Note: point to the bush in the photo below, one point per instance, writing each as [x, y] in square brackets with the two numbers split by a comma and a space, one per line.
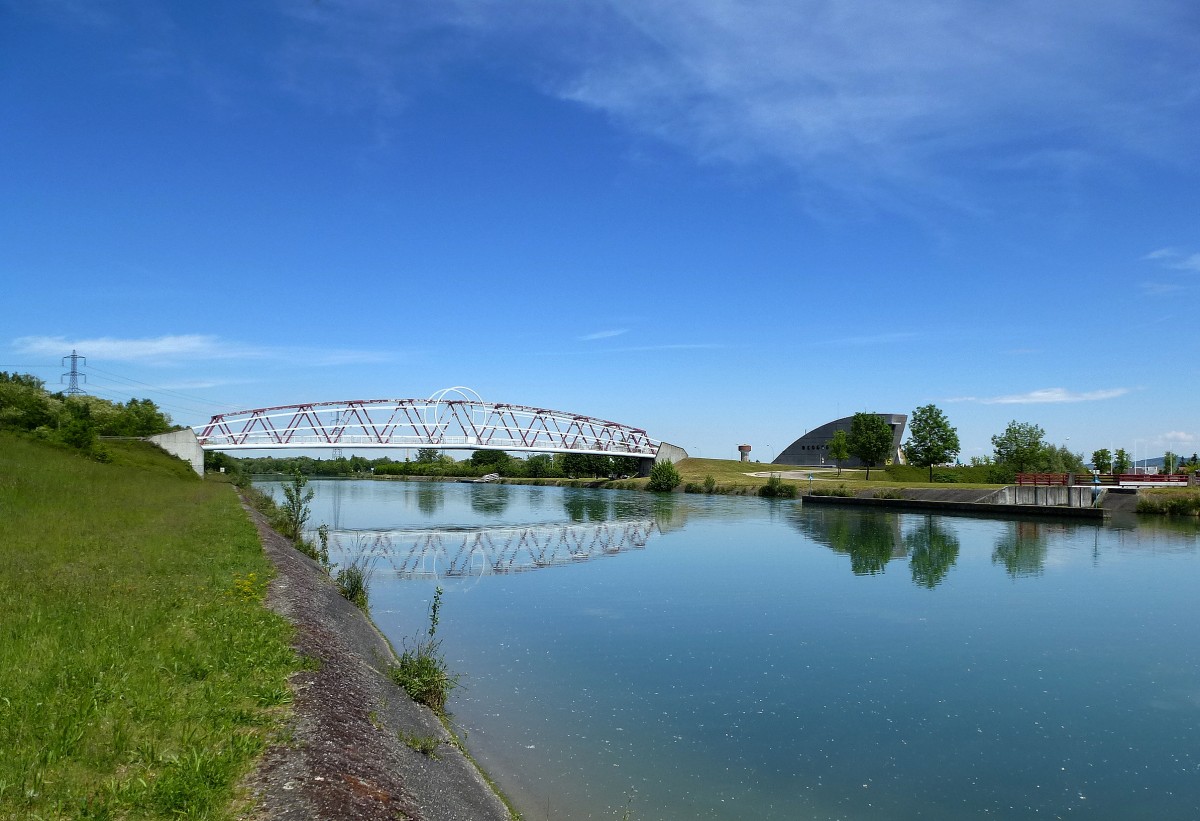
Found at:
[663, 477]
[693, 487]
[776, 488]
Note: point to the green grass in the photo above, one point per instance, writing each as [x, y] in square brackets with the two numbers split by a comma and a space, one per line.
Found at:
[140, 675]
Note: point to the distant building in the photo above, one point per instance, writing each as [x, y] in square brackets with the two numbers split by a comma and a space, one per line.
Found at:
[813, 447]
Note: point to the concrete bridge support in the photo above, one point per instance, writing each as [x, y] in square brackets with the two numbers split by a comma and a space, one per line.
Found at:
[666, 453]
[184, 444]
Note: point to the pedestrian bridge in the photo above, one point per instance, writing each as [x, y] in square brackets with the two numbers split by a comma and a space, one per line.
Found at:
[452, 419]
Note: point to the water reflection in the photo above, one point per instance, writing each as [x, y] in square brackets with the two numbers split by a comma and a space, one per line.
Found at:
[583, 505]
[871, 538]
[1021, 549]
[480, 551]
[490, 499]
[933, 550]
[431, 496]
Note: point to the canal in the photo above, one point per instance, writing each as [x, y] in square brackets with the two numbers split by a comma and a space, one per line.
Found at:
[628, 655]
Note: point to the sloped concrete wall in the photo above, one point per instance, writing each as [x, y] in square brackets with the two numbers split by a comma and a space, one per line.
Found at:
[666, 453]
[184, 444]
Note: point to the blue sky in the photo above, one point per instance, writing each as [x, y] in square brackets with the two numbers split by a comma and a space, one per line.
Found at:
[724, 222]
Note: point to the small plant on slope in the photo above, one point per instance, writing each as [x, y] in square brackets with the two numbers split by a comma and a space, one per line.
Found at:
[422, 669]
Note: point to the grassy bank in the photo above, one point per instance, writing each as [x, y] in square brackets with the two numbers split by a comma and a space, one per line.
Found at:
[139, 673]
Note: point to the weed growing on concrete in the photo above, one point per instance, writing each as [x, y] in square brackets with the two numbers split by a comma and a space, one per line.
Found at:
[354, 580]
[422, 670]
[424, 744]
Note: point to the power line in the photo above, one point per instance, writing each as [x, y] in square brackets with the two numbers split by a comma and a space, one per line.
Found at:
[226, 406]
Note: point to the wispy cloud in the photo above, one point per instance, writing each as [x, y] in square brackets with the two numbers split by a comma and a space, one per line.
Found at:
[1161, 288]
[862, 99]
[867, 340]
[1045, 396]
[684, 346]
[603, 334]
[1175, 259]
[1178, 438]
[165, 350]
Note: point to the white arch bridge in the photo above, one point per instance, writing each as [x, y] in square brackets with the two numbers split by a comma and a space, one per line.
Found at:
[465, 423]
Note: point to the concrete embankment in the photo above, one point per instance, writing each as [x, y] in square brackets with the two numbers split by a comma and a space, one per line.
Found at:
[1074, 503]
[346, 757]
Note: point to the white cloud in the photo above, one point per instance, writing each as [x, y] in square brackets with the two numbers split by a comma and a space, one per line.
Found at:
[603, 334]
[164, 350]
[1045, 396]
[1178, 437]
[1175, 259]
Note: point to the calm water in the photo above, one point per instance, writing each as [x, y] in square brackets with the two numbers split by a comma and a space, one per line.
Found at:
[715, 658]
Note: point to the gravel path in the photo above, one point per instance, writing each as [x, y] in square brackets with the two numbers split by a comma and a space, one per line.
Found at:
[345, 759]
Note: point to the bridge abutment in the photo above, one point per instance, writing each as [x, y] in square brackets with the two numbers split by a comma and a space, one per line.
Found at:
[666, 453]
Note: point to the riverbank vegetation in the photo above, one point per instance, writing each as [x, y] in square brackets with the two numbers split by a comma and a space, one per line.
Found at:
[1170, 501]
[433, 463]
[141, 675]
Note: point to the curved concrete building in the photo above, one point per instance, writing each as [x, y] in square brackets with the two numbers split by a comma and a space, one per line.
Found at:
[813, 447]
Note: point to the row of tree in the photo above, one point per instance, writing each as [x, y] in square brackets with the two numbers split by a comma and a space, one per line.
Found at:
[1020, 448]
[433, 462]
[26, 405]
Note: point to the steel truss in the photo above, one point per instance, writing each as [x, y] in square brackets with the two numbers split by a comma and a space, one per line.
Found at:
[449, 424]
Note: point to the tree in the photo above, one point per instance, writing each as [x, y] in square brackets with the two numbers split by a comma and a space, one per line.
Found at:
[1020, 447]
[663, 477]
[496, 459]
[1170, 462]
[295, 510]
[839, 450]
[539, 465]
[870, 439]
[1121, 461]
[932, 441]
[575, 464]
[428, 455]
[1102, 460]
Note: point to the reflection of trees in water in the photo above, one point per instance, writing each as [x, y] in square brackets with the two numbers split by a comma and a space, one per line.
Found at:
[430, 497]
[586, 505]
[869, 537]
[1022, 549]
[489, 499]
[932, 551]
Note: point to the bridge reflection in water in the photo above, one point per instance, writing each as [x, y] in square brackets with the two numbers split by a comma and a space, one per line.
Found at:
[481, 551]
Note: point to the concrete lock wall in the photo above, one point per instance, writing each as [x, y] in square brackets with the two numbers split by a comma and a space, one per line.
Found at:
[184, 444]
[1042, 495]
